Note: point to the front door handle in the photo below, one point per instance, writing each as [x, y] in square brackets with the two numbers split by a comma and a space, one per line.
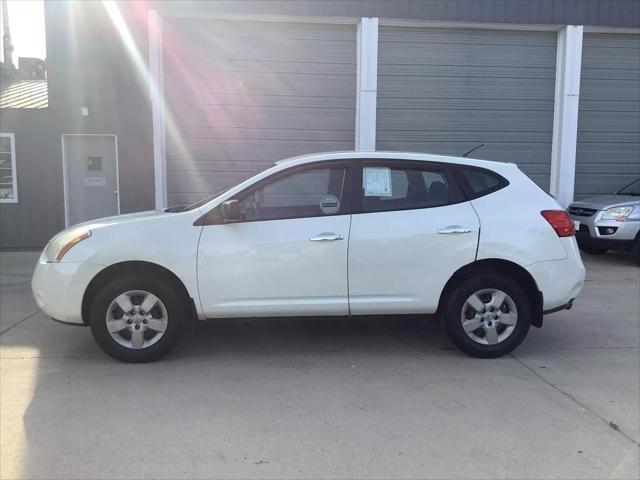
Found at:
[326, 237]
[454, 229]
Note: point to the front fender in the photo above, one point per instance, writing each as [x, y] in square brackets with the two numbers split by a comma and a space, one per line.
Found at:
[169, 241]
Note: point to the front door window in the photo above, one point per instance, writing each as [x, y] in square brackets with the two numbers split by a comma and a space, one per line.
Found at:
[309, 193]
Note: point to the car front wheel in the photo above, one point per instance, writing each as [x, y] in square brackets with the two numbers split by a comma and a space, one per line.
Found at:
[137, 319]
[635, 251]
[487, 315]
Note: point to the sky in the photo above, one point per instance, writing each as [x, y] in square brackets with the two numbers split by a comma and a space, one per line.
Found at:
[26, 21]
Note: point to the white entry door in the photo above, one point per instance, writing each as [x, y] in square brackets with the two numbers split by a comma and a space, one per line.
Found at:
[288, 253]
[91, 177]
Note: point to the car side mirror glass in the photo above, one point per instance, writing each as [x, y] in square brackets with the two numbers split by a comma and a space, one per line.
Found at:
[231, 211]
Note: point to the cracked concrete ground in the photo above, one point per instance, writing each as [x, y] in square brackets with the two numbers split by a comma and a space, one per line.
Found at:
[318, 398]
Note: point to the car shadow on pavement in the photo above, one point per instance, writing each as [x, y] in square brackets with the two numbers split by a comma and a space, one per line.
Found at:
[299, 335]
[226, 377]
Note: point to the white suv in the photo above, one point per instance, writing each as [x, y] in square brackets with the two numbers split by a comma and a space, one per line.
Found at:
[354, 233]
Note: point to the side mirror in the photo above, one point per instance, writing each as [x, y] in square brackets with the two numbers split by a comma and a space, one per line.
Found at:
[231, 211]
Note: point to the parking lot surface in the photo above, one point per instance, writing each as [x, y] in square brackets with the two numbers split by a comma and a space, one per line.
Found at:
[326, 398]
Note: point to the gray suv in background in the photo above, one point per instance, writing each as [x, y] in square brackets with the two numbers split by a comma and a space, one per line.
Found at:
[609, 222]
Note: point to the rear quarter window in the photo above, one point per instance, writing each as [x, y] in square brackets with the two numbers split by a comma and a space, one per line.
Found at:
[478, 182]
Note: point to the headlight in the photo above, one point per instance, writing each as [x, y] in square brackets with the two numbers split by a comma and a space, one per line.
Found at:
[62, 243]
[617, 213]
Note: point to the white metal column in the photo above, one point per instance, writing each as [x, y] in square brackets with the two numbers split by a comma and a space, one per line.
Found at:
[157, 108]
[565, 114]
[367, 84]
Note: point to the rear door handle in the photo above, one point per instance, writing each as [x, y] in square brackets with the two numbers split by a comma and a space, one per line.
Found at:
[326, 237]
[454, 229]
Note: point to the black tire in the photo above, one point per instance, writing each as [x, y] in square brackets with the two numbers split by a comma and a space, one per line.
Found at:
[635, 251]
[453, 311]
[586, 246]
[173, 300]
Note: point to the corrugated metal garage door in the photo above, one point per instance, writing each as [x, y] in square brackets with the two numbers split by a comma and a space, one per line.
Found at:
[608, 152]
[243, 94]
[447, 90]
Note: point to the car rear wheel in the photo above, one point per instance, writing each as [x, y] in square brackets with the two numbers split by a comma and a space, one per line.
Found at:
[487, 315]
[586, 246]
[137, 319]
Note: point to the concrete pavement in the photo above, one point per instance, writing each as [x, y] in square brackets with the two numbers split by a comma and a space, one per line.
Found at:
[326, 398]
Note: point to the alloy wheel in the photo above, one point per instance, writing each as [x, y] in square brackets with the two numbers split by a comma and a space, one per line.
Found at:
[137, 319]
[489, 316]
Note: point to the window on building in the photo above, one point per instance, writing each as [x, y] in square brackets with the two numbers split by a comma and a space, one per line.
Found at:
[8, 174]
[23, 63]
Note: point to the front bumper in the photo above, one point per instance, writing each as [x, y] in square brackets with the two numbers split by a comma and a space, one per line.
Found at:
[595, 230]
[58, 288]
[608, 243]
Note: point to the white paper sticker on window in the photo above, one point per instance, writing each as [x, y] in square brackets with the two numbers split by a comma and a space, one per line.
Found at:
[377, 182]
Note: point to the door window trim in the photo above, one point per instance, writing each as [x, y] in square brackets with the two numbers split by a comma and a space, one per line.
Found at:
[445, 168]
[213, 216]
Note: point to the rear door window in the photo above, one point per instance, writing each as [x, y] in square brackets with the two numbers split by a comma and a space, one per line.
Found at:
[387, 187]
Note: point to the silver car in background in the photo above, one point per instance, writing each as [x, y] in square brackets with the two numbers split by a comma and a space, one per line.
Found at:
[609, 222]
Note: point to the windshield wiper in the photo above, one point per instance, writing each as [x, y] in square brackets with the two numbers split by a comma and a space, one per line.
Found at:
[179, 208]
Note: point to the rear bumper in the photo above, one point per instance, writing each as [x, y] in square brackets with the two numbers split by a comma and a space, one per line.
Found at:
[58, 288]
[560, 281]
[566, 306]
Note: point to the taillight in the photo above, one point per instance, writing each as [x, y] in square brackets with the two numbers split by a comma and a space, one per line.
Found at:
[561, 222]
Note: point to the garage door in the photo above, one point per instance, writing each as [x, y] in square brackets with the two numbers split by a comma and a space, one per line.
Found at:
[608, 150]
[241, 95]
[446, 91]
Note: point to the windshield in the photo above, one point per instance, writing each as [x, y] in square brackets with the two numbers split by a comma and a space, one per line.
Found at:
[199, 203]
[193, 206]
[632, 189]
